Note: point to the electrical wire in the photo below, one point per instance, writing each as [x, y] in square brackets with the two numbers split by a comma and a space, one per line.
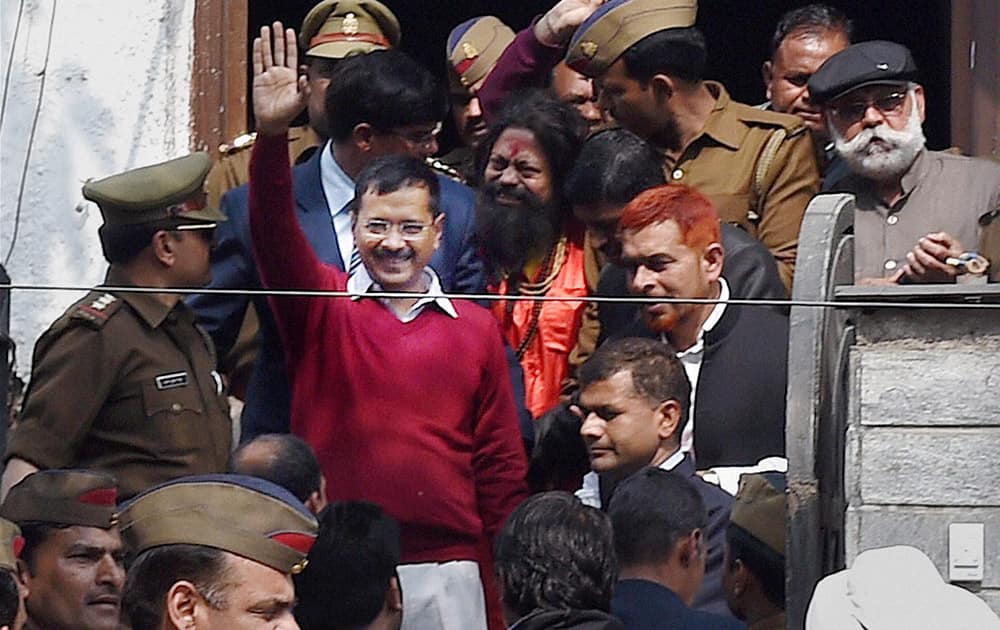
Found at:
[493, 297]
[10, 61]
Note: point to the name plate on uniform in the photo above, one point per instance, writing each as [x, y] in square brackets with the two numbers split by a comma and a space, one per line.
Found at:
[172, 380]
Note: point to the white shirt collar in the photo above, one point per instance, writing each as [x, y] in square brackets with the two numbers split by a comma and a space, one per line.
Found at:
[713, 319]
[361, 283]
[673, 461]
[338, 187]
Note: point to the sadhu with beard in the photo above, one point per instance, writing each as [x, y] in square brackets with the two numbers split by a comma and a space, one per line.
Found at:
[530, 242]
[917, 211]
[734, 355]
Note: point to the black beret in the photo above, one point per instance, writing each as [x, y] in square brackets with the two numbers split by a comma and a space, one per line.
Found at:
[867, 63]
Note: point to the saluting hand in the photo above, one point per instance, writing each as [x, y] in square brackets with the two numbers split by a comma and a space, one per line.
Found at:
[278, 90]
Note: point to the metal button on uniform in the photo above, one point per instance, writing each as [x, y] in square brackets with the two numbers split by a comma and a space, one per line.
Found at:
[890, 265]
[176, 407]
[677, 174]
[892, 219]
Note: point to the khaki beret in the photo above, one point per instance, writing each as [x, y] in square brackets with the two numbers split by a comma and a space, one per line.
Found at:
[64, 497]
[165, 191]
[243, 515]
[11, 544]
[620, 24]
[474, 46]
[760, 507]
[867, 63]
[336, 29]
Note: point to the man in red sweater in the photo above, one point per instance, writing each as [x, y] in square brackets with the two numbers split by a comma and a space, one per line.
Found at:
[406, 400]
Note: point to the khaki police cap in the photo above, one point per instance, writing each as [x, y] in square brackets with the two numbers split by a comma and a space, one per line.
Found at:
[65, 497]
[337, 29]
[246, 516]
[620, 24]
[474, 46]
[760, 507]
[11, 544]
[161, 192]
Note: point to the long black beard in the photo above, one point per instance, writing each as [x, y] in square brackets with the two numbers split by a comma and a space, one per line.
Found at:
[509, 236]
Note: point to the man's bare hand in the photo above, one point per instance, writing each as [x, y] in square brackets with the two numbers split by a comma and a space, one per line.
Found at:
[888, 281]
[556, 27]
[278, 89]
[926, 262]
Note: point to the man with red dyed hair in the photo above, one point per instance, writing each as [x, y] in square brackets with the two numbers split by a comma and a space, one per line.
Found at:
[734, 355]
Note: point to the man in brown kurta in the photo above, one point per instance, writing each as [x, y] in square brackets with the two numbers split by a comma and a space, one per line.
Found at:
[125, 382]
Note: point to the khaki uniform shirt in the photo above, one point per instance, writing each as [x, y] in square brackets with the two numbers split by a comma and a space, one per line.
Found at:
[122, 384]
[763, 189]
[942, 192]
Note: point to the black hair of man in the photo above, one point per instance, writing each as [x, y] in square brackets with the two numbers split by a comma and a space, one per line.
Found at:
[554, 553]
[385, 89]
[350, 565]
[155, 570]
[614, 166]
[287, 461]
[10, 598]
[813, 19]
[556, 126]
[657, 373]
[35, 534]
[650, 511]
[121, 244]
[676, 52]
[759, 559]
[390, 173]
[559, 454]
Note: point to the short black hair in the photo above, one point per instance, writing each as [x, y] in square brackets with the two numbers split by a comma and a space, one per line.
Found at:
[764, 562]
[121, 244]
[657, 373]
[156, 570]
[650, 511]
[677, 52]
[384, 88]
[557, 126]
[291, 464]
[10, 598]
[350, 565]
[614, 166]
[814, 19]
[35, 533]
[555, 553]
[389, 173]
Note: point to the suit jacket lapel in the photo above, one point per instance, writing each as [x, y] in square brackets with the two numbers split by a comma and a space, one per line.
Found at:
[314, 212]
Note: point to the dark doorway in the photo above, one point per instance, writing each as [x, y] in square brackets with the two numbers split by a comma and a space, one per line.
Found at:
[738, 34]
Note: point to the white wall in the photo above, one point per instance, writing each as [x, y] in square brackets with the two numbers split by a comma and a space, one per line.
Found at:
[110, 81]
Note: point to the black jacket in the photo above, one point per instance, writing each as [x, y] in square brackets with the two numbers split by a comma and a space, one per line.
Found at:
[645, 605]
[565, 619]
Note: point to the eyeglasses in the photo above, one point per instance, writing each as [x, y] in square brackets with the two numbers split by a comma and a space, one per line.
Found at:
[408, 230]
[420, 138]
[852, 111]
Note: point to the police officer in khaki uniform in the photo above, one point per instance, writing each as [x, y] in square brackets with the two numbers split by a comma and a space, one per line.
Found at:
[125, 382]
[72, 560]
[331, 31]
[473, 49]
[754, 574]
[12, 614]
[215, 552]
[757, 167]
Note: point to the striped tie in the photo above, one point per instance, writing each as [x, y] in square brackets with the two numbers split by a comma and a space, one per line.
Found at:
[355, 261]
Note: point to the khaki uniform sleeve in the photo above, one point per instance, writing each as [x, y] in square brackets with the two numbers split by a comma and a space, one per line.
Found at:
[232, 170]
[789, 185]
[72, 376]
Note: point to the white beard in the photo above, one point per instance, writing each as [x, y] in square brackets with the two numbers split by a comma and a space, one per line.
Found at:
[881, 153]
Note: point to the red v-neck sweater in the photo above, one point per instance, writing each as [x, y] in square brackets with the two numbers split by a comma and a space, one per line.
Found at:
[417, 417]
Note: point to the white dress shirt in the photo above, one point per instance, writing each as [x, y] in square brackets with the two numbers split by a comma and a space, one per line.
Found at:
[339, 191]
[590, 492]
[361, 283]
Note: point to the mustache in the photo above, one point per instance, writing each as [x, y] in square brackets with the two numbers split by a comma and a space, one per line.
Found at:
[509, 235]
[382, 253]
[492, 190]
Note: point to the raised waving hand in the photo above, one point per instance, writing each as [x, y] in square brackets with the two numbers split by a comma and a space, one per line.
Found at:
[278, 90]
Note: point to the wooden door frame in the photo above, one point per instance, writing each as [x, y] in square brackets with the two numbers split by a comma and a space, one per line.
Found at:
[219, 73]
[975, 87]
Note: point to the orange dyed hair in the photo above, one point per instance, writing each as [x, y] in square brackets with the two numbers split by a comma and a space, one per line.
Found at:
[692, 211]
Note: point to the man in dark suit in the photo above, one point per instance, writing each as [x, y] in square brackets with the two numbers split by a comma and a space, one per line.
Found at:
[659, 521]
[379, 103]
[633, 401]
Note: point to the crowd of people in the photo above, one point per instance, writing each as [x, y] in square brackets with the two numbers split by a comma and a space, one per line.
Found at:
[439, 430]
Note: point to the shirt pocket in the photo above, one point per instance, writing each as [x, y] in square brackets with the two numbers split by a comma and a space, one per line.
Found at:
[174, 416]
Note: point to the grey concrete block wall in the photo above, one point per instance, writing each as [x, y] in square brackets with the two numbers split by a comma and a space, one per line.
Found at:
[923, 441]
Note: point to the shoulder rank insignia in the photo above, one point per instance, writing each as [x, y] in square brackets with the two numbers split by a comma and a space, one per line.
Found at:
[239, 142]
[98, 310]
